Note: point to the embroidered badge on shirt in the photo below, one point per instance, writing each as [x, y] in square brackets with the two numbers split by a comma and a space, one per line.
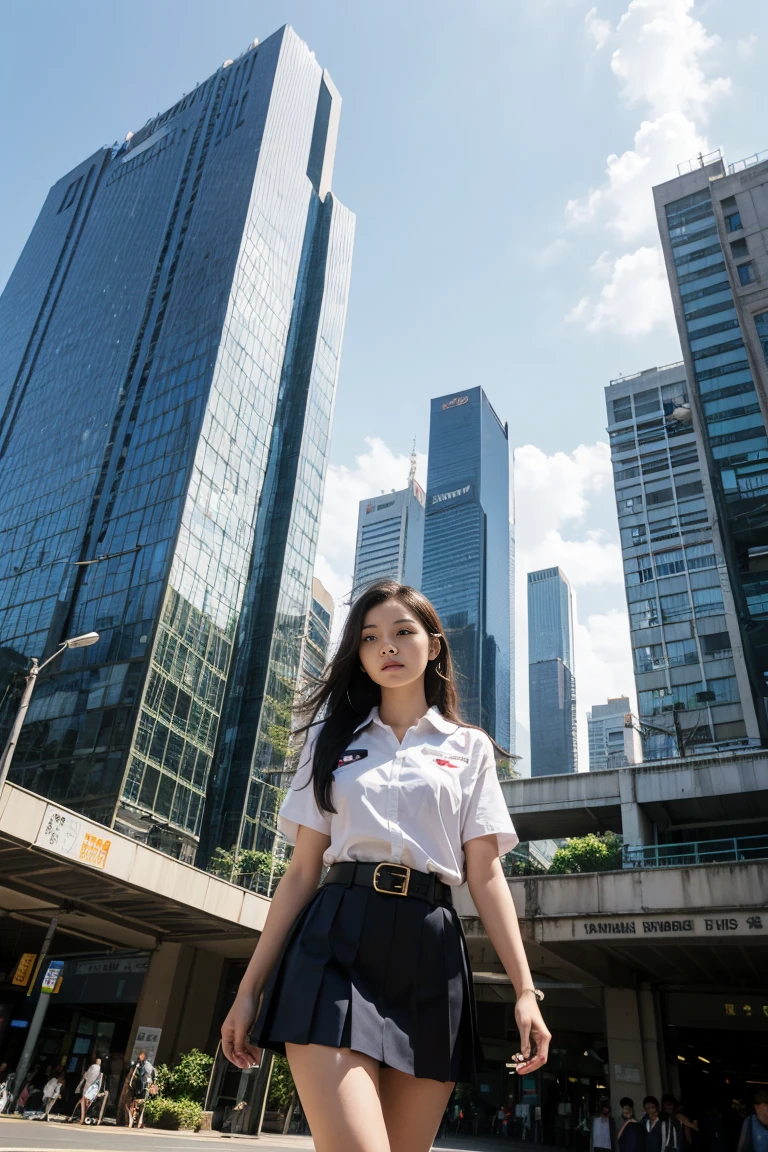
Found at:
[449, 763]
[351, 755]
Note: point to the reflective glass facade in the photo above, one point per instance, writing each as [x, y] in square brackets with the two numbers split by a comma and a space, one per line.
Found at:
[170, 344]
[467, 545]
[682, 623]
[713, 226]
[551, 681]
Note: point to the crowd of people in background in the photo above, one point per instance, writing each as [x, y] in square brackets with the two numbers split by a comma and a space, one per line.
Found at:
[665, 1127]
[658, 1126]
[45, 1092]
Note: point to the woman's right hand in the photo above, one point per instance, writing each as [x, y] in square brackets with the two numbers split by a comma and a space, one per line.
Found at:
[235, 1029]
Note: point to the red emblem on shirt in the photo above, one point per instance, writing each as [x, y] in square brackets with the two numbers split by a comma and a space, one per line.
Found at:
[446, 764]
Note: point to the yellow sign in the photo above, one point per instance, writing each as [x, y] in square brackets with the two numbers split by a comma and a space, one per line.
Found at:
[24, 969]
[94, 850]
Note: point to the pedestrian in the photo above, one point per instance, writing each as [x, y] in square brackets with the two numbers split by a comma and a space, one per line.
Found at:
[630, 1136]
[676, 1128]
[498, 1121]
[51, 1093]
[141, 1083]
[89, 1087]
[651, 1124]
[754, 1130]
[603, 1130]
[364, 982]
[714, 1133]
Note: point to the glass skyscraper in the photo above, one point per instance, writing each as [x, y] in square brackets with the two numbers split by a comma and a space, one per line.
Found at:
[713, 222]
[169, 349]
[467, 547]
[551, 682]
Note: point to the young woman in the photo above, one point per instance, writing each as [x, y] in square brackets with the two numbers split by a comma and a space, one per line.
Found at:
[364, 982]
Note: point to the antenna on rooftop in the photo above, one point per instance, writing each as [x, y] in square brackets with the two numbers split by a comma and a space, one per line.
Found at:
[412, 469]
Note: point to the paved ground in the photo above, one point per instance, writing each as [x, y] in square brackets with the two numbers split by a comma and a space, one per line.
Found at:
[32, 1136]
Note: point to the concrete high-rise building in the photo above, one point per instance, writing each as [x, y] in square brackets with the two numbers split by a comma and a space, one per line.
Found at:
[169, 349]
[611, 743]
[390, 537]
[551, 681]
[467, 544]
[713, 222]
[685, 642]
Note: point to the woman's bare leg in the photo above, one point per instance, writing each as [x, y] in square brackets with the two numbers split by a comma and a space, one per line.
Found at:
[412, 1109]
[339, 1092]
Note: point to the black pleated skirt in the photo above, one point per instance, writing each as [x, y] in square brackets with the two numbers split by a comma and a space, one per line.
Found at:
[385, 975]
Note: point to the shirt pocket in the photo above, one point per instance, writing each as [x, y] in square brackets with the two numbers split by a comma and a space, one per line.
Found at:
[435, 778]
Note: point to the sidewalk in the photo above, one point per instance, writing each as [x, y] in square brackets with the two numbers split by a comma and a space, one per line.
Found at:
[33, 1136]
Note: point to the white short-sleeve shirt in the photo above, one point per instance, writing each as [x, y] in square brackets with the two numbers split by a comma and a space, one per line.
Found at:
[414, 803]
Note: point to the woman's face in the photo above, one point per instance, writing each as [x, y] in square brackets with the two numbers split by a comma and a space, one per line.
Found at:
[395, 646]
[626, 1112]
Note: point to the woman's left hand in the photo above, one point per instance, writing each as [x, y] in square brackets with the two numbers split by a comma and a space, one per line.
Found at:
[534, 1034]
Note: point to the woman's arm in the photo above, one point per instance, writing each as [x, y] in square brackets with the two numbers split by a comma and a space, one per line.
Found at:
[489, 889]
[292, 893]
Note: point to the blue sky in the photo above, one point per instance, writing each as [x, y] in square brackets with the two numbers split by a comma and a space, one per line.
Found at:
[492, 248]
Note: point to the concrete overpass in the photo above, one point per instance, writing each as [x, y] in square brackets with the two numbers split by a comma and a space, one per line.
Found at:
[725, 789]
[114, 893]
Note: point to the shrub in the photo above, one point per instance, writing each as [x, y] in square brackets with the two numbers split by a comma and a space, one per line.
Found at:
[281, 1086]
[187, 1079]
[595, 852]
[173, 1114]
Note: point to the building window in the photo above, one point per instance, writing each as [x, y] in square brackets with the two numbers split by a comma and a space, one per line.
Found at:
[668, 563]
[761, 323]
[718, 644]
[707, 601]
[733, 222]
[746, 273]
[682, 652]
[739, 249]
[622, 409]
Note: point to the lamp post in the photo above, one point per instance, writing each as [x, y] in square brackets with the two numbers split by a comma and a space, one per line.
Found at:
[83, 641]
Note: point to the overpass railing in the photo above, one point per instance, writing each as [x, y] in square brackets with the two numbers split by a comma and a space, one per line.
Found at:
[725, 851]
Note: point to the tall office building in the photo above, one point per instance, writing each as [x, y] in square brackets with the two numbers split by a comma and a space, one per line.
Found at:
[390, 537]
[714, 232]
[467, 544]
[611, 743]
[681, 614]
[551, 682]
[169, 349]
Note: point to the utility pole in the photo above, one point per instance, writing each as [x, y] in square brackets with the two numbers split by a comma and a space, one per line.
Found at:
[38, 1016]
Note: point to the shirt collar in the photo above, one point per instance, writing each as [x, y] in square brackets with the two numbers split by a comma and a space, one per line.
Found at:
[433, 716]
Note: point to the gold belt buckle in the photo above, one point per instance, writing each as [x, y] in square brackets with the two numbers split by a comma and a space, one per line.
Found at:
[404, 877]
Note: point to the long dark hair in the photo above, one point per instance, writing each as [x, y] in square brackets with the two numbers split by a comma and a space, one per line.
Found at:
[346, 694]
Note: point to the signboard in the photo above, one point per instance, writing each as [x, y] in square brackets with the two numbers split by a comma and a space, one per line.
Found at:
[112, 965]
[626, 1073]
[68, 835]
[24, 969]
[725, 1011]
[718, 925]
[443, 497]
[147, 1040]
[53, 974]
[456, 402]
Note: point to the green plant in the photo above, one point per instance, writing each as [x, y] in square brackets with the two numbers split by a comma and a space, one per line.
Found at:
[187, 1080]
[173, 1114]
[281, 1086]
[237, 866]
[595, 852]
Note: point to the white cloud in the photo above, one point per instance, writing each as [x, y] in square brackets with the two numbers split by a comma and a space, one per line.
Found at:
[634, 300]
[600, 30]
[624, 202]
[554, 497]
[662, 62]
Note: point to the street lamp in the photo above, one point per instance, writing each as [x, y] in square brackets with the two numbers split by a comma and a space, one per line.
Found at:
[83, 641]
